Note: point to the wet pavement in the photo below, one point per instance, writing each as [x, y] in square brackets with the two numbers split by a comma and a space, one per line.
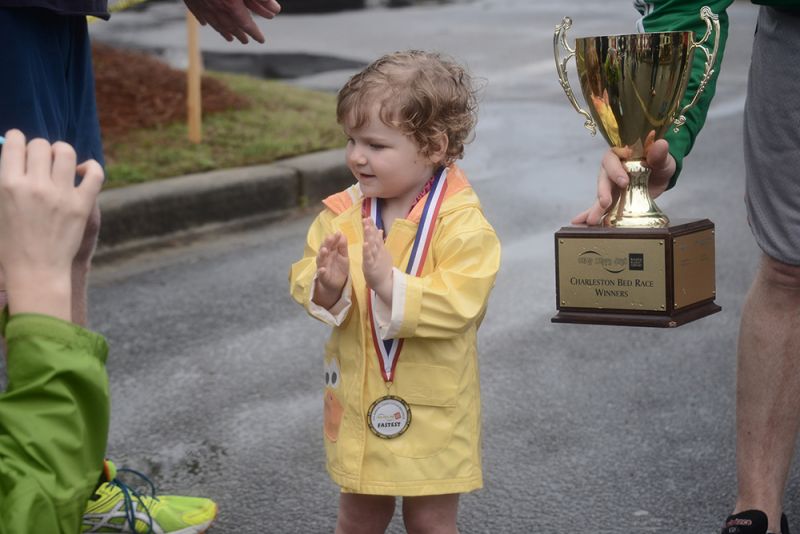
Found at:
[217, 376]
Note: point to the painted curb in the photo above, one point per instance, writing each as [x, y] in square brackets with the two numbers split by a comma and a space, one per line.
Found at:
[156, 210]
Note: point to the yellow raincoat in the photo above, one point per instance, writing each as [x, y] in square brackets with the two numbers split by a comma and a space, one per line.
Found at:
[438, 315]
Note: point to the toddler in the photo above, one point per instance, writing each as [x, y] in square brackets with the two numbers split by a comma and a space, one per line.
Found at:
[401, 265]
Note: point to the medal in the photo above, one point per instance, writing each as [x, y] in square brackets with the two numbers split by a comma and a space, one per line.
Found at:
[389, 417]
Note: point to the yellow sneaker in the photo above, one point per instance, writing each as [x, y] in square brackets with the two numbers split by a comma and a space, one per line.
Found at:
[116, 507]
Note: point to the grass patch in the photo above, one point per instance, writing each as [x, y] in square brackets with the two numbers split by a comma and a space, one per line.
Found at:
[282, 121]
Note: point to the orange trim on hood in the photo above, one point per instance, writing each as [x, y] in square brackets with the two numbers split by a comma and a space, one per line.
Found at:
[344, 200]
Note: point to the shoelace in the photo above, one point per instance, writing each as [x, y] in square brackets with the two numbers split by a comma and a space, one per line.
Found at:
[128, 493]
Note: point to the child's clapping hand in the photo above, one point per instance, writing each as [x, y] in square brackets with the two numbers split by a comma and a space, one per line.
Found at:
[333, 267]
[377, 262]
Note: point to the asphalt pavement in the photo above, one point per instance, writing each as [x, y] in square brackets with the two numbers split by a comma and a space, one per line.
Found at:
[216, 374]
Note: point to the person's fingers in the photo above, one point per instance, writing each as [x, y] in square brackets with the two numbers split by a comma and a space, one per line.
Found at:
[12, 162]
[39, 160]
[614, 169]
[580, 218]
[265, 8]
[241, 24]
[322, 256]
[658, 154]
[368, 227]
[251, 28]
[342, 245]
[198, 14]
[595, 214]
[219, 25]
[663, 167]
[604, 189]
[365, 256]
[659, 159]
[64, 165]
[241, 36]
[92, 182]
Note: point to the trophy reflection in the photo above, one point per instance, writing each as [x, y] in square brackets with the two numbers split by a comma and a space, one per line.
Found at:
[638, 268]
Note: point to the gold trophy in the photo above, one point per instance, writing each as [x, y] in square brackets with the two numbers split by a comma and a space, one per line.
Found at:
[638, 268]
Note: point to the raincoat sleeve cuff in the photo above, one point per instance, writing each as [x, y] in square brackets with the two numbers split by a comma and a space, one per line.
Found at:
[390, 319]
[337, 313]
[407, 304]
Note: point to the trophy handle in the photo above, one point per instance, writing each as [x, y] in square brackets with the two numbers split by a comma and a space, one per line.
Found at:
[560, 37]
[712, 21]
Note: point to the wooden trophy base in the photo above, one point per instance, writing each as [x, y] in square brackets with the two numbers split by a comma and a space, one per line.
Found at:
[662, 277]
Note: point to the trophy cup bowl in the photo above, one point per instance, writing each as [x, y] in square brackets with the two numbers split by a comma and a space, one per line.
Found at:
[638, 268]
[633, 85]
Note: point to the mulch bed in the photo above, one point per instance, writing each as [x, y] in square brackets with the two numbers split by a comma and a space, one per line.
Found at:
[135, 91]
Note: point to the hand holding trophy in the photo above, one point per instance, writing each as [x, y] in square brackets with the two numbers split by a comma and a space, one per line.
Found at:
[638, 268]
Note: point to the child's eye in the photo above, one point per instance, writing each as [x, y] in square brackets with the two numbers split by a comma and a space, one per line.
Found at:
[376, 146]
[350, 140]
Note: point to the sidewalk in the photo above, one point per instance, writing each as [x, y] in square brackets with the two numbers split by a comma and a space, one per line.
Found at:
[142, 216]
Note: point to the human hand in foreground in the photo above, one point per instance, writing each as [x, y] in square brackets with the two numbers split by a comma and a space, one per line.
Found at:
[613, 179]
[333, 267]
[42, 220]
[232, 18]
[377, 262]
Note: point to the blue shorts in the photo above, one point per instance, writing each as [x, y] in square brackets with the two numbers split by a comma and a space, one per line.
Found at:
[46, 79]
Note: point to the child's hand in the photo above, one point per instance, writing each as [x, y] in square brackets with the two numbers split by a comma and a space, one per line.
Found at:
[333, 267]
[377, 262]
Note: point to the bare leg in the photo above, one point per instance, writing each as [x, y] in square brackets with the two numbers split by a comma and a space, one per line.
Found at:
[768, 388]
[434, 514]
[364, 514]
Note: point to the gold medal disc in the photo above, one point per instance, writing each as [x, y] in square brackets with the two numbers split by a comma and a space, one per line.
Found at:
[389, 417]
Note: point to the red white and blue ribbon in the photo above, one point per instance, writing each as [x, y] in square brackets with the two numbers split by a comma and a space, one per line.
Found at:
[389, 350]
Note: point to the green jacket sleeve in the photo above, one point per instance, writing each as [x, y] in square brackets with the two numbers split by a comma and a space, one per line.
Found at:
[684, 15]
[53, 423]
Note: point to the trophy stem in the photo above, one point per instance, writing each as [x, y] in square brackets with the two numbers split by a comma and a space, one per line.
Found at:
[634, 208]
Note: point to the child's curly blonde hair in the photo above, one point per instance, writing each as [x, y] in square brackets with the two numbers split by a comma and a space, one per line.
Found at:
[421, 93]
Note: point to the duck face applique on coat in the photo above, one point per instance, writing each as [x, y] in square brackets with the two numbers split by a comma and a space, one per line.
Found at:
[333, 407]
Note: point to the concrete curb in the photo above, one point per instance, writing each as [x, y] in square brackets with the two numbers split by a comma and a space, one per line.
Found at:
[147, 213]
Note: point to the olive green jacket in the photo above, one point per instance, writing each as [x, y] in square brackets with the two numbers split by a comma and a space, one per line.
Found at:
[53, 423]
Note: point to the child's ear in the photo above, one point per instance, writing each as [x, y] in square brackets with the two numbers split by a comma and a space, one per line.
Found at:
[439, 145]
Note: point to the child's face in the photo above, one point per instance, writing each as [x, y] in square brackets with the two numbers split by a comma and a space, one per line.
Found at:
[386, 162]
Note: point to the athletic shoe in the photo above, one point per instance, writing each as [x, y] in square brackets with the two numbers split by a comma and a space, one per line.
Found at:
[116, 507]
[752, 522]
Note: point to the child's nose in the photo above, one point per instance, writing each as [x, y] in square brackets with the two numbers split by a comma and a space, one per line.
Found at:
[357, 157]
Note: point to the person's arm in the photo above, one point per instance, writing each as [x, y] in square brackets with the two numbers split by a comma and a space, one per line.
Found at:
[54, 413]
[53, 423]
[682, 15]
[453, 297]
